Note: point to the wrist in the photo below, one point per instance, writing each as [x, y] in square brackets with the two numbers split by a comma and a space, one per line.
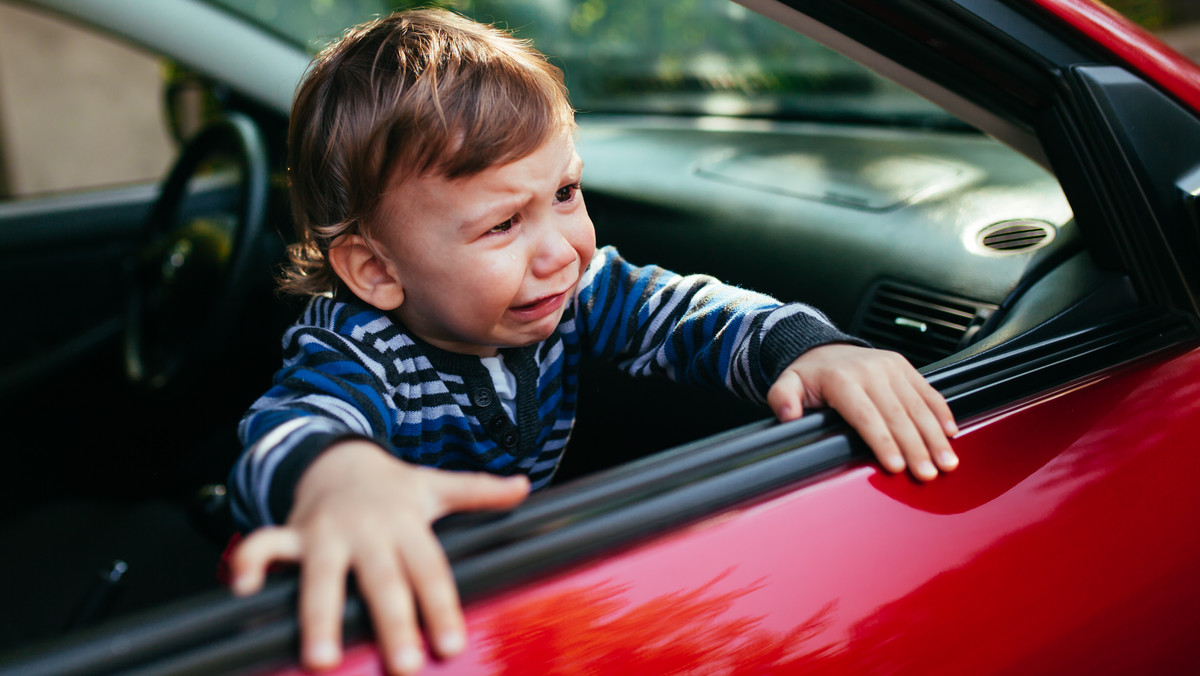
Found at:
[343, 460]
[319, 456]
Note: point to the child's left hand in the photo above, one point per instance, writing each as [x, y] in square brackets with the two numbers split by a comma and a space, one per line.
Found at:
[901, 417]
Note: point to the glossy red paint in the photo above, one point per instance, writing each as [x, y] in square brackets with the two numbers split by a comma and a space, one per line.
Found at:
[1066, 543]
[1133, 44]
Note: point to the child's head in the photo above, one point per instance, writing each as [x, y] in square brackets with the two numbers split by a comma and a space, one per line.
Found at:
[434, 176]
[419, 93]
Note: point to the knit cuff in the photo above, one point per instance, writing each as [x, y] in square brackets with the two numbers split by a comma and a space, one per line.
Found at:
[792, 336]
[287, 475]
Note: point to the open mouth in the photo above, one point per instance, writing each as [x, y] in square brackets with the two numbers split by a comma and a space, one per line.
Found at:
[541, 307]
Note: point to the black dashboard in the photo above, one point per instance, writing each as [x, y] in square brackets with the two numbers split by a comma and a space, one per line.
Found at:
[909, 237]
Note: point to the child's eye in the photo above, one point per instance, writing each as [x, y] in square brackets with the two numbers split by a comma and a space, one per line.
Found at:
[501, 228]
[566, 193]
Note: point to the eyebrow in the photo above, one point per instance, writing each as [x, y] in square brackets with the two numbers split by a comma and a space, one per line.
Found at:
[575, 167]
[574, 172]
[487, 215]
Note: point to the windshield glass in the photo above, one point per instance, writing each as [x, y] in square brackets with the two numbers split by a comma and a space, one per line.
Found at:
[694, 57]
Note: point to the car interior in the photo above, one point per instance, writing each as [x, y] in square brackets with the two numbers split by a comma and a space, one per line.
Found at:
[144, 319]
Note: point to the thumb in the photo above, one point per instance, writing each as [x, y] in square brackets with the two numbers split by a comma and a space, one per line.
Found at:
[785, 396]
[473, 491]
[256, 552]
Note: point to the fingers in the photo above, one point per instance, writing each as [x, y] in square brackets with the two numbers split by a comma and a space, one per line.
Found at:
[388, 571]
[322, 586]
[911, 426]
[916, 432]
[389, 581]
[935, 421]
[437, 594]
[322, 599]
[904, 420]
[785, 396]
[424, 560]
[936, 403]
[866, 417]
[257, 552]
[474, 491]
[382, 579]
[374, 519]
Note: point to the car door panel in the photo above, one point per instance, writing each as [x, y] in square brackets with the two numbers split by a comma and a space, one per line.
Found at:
[1050, 539]
[66, 258]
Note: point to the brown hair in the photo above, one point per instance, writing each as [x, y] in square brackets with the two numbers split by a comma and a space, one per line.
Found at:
[416, 92]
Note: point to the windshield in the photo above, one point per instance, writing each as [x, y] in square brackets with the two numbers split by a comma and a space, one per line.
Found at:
[693, 57]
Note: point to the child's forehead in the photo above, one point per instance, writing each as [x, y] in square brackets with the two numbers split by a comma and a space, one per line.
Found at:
[541, 172]
[555, 158]
[496, 192]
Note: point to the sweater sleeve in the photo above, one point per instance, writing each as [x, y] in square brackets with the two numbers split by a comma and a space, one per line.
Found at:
[695, 329]
[324, 393]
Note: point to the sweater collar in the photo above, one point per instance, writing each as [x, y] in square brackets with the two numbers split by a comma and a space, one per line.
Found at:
[443, 360]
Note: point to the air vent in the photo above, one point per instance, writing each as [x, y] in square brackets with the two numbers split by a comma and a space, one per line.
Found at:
[922, 325]
[1016, 236]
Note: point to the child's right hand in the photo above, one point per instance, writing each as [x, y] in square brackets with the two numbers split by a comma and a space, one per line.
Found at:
[359, 509]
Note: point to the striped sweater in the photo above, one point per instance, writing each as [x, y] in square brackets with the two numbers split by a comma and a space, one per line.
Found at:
[350, 370]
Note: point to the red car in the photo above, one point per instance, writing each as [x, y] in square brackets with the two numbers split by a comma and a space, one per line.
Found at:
[1028, 232]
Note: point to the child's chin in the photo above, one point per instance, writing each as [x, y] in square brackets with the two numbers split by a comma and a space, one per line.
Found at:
[535, 336]
[535, 341]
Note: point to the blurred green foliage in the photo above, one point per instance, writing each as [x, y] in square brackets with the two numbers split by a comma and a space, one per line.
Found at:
[711, 57]
[606, 21]
[678, 45]
[1151, 14]
[1159, 14]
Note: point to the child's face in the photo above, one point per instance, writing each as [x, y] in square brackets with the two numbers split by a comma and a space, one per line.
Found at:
[489, 261]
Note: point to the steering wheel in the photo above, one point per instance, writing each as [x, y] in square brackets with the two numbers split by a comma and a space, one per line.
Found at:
[192, 270]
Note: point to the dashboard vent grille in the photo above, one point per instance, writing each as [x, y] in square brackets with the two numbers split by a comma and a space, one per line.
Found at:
[922, 325]
[1016, 236]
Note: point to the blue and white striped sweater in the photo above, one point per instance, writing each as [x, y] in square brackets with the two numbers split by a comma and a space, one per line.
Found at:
[350, 370]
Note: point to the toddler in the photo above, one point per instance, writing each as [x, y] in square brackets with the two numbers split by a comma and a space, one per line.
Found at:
[455, 288]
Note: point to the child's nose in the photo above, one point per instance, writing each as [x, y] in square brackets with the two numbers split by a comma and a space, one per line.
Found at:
[554, 253]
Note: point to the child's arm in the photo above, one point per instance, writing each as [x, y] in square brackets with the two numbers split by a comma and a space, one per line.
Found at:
[697, 330]
[359, 509]
[901, 417]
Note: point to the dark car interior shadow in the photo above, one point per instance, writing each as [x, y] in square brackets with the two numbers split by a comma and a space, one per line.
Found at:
[103, 502]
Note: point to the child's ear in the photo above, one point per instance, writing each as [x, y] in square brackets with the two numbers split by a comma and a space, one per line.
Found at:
[366, 274]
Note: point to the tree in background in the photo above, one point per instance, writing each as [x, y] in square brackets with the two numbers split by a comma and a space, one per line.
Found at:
[1158, 14]
[1151, 14]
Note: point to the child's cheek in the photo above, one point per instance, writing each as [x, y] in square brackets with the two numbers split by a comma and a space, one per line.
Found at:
[586, 245]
